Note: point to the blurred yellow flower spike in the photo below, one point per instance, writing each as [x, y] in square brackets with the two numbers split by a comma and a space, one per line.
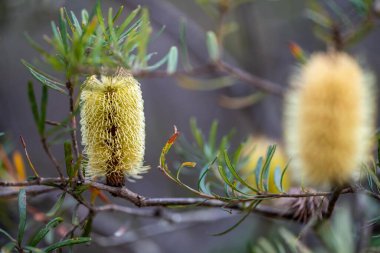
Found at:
[329, 120]
[257, 147]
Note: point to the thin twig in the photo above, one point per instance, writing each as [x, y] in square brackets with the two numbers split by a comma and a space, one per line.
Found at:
[257, 82]
[51, 156]
[30, 191]
[28, 158]
[333, 198]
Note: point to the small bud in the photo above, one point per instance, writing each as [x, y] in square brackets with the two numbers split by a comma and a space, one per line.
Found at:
[113, 127]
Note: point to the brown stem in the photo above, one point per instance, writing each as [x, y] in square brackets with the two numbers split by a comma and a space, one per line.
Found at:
[257, 82]
[51, 156]
[73, 122]
[332, 201]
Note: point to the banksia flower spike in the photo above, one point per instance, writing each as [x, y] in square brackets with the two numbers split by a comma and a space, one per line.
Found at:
[113, 127]
[329, 119]
[257, 147]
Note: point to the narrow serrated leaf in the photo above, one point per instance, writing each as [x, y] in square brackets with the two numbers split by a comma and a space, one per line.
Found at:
[33, 249]
[44, 78]
[43, 232]
[44, 100]
[33, 103]
[197, 134]
[22, 215]
[2, 231]
[53, 211]
[248, 212]
[68, 242]
[234, 173]
[212, 135]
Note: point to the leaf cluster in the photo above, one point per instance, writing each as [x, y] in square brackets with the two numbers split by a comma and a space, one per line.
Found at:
[219, 174]
[32, 243]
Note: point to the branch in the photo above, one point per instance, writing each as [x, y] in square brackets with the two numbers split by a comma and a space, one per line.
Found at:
[257, 82]
[332, 201]
[142, 201]
[51, 156]
[30, 191]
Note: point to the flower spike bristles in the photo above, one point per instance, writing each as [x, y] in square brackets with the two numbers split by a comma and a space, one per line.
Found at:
[113, 127]
[329, 119]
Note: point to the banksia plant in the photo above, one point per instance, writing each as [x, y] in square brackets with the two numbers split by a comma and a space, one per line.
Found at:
[113, 127]
[256, 148]
[329, 118]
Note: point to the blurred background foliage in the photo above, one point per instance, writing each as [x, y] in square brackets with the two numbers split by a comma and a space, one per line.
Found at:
[180, 37]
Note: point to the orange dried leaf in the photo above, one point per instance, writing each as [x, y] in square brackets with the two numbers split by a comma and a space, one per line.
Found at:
[19, 165]
[189, 164]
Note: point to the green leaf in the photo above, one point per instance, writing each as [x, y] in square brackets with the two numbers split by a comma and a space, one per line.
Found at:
[202, 186]
[8, 248]
[118, 13]
[99, 15]
[53, 211]
[33, 249]
[143, 37]
[248, 212]
[293, 242]
[197, 134]
[283, 174]
[22, 215]
[265, 170]
[259, 166]
[127, 21]
[266, 245]
[234, 173]
[85, 17]
[88, 226]
[227, 181]
[63, 29]
[212, 135]
[69, 159]
[111, 30]
[172, 60]
[2, 231]
[278, 178]
[212, 46]
[43, 232]
[68, 242]
[76, 24]
[44, 78]
[44, 100]
[33, 103]
[183, 45]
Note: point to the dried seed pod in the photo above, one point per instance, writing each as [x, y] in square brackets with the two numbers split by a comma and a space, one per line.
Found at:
[329, 119]
[113, 127]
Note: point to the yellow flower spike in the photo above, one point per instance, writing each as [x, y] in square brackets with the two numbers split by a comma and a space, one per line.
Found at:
[257, 147]
[329, 119]
[113, 127]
